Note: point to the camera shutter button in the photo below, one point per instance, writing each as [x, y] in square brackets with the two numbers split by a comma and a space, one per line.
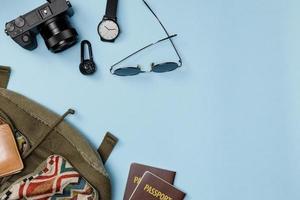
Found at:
[19, 22]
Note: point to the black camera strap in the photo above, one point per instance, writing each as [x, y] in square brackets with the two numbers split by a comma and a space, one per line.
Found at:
[4, 76]
[111, 9]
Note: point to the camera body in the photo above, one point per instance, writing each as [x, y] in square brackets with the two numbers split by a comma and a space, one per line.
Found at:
[51, 20]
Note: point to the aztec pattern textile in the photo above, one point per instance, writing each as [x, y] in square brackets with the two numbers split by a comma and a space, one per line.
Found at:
[56, 181]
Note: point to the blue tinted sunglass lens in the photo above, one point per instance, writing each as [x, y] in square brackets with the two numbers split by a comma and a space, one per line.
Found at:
[127, 71]
[165, 67]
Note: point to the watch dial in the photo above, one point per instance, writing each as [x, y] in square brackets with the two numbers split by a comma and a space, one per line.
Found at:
[108, 30]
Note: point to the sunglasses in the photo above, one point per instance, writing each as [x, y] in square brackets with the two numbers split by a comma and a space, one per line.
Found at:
[158, 68]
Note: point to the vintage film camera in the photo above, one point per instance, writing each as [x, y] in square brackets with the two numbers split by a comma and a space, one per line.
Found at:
[51, 20]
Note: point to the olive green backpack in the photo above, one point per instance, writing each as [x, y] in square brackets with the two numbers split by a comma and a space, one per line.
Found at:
[44, 134]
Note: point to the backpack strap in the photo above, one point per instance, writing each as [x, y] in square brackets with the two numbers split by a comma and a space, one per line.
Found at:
[4, 76]
[107, 146]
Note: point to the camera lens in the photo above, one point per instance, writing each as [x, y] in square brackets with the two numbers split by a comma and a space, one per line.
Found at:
[58, 34]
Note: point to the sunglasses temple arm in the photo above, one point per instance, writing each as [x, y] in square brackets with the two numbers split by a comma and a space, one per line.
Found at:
[111, 68]
[180, 60]
[166, 38]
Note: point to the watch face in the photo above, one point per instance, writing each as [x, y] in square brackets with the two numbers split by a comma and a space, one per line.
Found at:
[108, 30]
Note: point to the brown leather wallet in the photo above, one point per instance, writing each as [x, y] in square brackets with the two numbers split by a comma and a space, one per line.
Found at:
[10, 159]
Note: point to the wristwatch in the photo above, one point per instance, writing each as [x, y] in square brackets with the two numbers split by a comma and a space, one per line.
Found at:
[108, 28]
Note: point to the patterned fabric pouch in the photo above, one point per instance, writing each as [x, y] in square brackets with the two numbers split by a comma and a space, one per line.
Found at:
[54, 179]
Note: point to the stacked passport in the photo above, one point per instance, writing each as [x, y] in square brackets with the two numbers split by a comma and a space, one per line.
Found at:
[150, 183]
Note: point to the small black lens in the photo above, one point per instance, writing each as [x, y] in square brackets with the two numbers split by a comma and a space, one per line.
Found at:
[58, 34]
[127, 71]
[165, 67]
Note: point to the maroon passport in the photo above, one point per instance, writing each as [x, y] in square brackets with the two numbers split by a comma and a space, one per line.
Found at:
[138, 170]
[153, 187]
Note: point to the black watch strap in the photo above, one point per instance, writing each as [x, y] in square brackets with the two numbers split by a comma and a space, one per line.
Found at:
[111, 9]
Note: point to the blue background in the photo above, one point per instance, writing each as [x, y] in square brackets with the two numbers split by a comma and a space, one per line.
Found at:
[228, 121]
